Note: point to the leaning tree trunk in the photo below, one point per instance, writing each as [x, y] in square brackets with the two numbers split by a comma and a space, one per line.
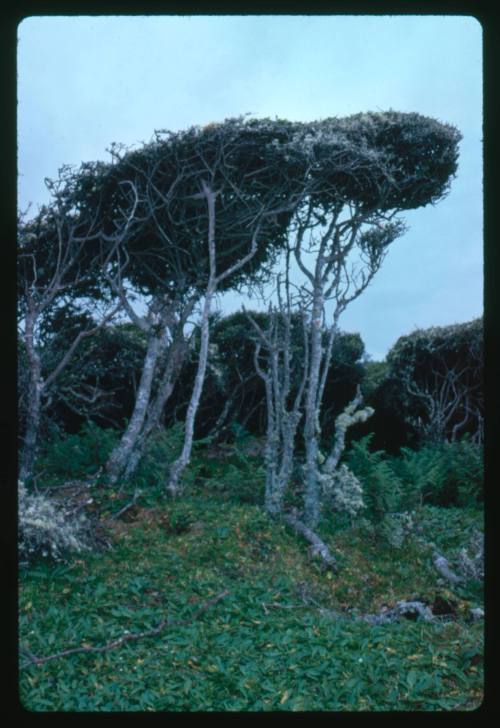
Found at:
[176, 357]
[318, 548]
[214, 280]
[118, 459]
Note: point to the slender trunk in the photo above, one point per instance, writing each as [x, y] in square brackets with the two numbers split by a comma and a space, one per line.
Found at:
[279, 470]
[290, 431]
[214, 280]
[34, 403]
[280, 440]
[311, 425]
[118, 459]
[272, 501]
[177, 468]
[182, 461]
[221, 419]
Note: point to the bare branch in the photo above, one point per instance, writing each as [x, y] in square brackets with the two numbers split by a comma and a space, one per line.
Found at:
[126, 637]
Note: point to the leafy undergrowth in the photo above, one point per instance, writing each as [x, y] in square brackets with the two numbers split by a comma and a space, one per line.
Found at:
[283, 639]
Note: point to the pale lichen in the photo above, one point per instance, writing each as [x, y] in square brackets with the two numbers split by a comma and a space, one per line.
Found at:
[47, 529]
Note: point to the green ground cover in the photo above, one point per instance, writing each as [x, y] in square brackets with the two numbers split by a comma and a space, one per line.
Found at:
[284, 638]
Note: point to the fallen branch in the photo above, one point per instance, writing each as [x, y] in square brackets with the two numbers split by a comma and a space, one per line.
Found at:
[127, 637]
[442, 566]
[401, 609]
[407, 609]
[318, 548]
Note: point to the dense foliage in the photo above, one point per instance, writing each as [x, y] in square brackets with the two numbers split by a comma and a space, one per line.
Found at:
[166, 242]
[444, 474]
[234, 393]
[438, 375]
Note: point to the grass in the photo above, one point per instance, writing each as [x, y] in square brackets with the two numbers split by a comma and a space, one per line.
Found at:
[272, 644]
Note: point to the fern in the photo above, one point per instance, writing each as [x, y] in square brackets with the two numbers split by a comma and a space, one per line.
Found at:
[382, 488]
[446, 474]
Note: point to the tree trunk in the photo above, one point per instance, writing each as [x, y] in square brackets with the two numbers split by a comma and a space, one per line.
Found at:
[311, 426]
[214, 280]
[33, 417]
[182, 461]
[34, 404]
[176, 357]
[118, 459]
[284, 474]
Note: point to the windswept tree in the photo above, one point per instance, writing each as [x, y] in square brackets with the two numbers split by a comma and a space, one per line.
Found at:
[364, 171]
[60, 277]
[214, 204]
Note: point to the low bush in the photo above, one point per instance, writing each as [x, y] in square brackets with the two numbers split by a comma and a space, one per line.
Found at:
[48, 530]
[233, 472]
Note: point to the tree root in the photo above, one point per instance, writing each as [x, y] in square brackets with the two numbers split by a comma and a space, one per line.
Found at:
[408, 609]
[318, 548]
[126, 637]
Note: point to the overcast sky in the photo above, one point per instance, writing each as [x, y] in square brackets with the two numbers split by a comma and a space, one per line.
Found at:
[84, 82]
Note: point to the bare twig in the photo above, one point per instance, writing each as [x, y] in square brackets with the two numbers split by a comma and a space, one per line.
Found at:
[127, 637]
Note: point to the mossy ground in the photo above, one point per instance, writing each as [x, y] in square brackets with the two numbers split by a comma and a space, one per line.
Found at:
[273, 643]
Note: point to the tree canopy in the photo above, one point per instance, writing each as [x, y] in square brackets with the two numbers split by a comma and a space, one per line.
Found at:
[261, 170]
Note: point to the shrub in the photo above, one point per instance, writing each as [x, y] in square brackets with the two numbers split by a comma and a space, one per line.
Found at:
[48, 530]
[233, 471]
[77, 456]
[396, 528]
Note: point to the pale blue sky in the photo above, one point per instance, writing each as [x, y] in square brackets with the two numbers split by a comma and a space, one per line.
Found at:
[84, 82]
